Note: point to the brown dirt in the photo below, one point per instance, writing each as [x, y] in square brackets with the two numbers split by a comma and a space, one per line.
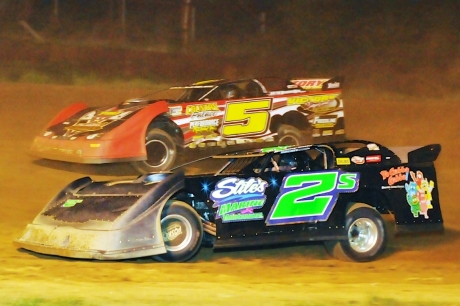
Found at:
[424, 269]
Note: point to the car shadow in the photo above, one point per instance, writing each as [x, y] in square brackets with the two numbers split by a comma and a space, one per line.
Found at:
[417, 241]
[114, 169]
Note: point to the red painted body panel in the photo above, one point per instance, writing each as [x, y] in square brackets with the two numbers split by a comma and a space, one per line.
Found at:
[124, 143]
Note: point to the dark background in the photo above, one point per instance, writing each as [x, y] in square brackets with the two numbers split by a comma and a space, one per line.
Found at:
[405, 46]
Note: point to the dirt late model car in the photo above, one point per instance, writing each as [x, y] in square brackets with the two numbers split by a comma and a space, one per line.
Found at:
[150, 132]
[333, 192]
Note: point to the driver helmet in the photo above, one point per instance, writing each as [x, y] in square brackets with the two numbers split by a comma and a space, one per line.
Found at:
[289, 161]
[230, 92]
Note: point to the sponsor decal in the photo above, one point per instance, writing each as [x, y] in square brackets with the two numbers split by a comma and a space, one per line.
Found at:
[175, 110]
[418, 194]
[394, 175]
[71, 202]
[110, 113]
[373, 158]
[204, 125]
[333, 85]
[418, 188]
[236, 199]
[310, 83]
[198, 108]
[203, 115]
[310, 197]
[343, 161]
[310, 99]
[373, 147]
[359, 160]
[273, 149]
[324, 121]
[173, 231]
[114, 115]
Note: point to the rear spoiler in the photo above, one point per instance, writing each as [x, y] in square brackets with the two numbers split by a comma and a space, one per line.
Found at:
[428, 153]
[319, 84]
[335, 83]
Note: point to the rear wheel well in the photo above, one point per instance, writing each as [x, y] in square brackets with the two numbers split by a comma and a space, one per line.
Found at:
[373, 198]
[364, 197]
[292, 118]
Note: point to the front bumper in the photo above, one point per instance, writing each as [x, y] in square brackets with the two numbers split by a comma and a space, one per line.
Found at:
[80, 151]
[72, 242]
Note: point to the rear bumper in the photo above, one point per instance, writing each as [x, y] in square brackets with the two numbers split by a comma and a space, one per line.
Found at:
[80, 151]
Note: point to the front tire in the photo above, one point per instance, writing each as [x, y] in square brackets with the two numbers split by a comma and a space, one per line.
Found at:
[182, 232]
[161, 152]
[366, 236]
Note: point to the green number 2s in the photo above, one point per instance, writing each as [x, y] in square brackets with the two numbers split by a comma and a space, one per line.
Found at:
[307, 197]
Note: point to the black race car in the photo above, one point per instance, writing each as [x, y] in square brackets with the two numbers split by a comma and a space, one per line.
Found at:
[334, 192]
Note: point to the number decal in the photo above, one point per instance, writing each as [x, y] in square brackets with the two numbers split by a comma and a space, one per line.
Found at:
[246, 118]
[310, 197]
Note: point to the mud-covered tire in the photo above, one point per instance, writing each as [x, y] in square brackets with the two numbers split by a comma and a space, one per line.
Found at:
[182, 232]
[289, 135]
[366, 236]
[161, 152]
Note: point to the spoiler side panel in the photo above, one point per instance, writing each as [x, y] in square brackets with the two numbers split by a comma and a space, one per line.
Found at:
[428, 153]
[421, 210]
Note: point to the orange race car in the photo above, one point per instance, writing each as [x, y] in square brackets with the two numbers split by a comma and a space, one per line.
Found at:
[150, 132]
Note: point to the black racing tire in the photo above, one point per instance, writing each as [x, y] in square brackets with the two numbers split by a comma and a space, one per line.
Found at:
[182, 232]
[289, 135]
[366, 236]
[161, 152]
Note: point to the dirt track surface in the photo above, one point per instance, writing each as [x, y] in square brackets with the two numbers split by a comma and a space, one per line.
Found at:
[424, 269]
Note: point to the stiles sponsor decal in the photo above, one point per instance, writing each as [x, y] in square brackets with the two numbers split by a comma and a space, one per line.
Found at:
[236, 199]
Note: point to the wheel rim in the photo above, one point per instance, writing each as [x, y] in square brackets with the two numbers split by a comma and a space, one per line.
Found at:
[362, 235]
[177, 232]
[157, 153]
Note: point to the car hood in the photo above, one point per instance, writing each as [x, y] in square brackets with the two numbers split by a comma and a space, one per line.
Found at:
[94, 122]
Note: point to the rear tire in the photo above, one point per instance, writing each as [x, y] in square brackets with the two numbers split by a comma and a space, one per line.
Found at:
[366, 236]
[182, 232]
[289, 135]
[161, 152]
